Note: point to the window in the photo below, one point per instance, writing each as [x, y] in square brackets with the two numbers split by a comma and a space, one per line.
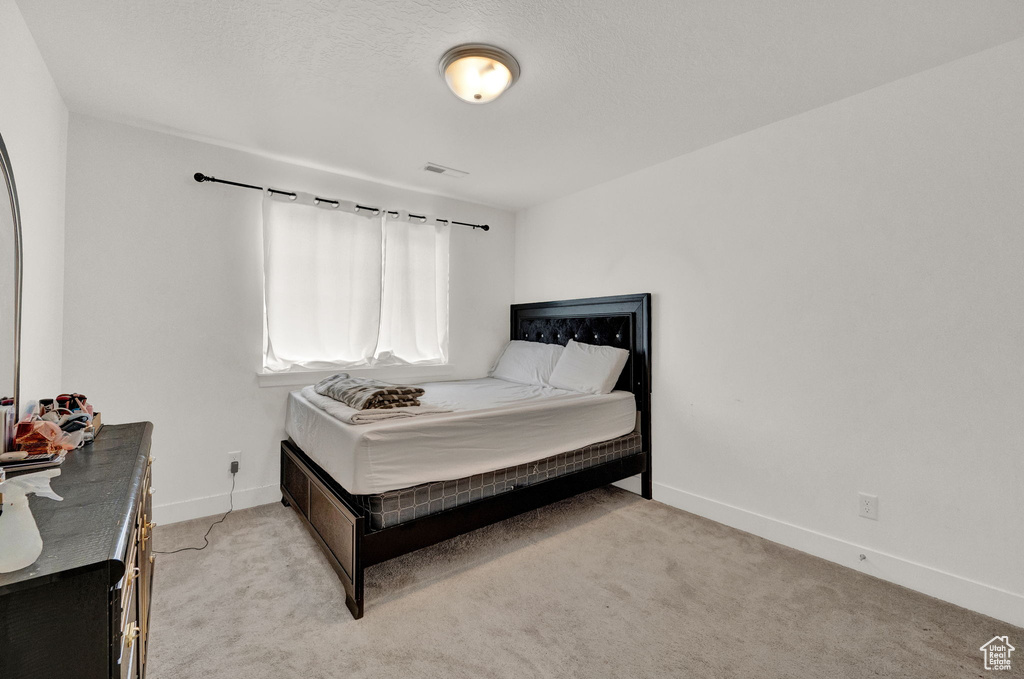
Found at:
[345, 289]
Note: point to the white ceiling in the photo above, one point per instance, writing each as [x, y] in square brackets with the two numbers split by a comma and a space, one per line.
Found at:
[608, 86]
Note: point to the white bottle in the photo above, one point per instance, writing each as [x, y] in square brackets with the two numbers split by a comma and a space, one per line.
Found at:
[20, 542]
[7, 424]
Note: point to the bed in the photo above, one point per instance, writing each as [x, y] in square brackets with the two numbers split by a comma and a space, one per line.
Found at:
[371, 492]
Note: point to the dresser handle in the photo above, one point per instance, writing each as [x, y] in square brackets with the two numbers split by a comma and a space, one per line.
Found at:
[147, 531]
[131, 576]
[150, 460]
[132, 633]
[151, 490]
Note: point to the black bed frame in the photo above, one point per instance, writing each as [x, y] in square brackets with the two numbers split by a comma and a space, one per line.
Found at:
[339, 525]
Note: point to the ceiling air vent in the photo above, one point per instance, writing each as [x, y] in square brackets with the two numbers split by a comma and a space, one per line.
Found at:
[446, 171]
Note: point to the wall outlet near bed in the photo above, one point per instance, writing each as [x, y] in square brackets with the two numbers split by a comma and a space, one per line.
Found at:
[868, 506]
[234, 460]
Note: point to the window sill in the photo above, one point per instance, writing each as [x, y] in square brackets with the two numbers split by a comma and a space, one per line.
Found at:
[403, 373]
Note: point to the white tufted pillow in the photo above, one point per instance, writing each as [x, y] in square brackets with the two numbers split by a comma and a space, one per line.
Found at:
[588, 368]
[527, 362]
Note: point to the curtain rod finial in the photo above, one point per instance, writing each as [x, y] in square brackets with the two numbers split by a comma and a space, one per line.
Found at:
[200, 177]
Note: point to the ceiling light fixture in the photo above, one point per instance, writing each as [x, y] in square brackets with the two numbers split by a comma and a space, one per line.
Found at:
[478, 73]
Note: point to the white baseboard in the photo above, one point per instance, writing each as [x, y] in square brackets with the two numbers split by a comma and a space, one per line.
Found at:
[215, 504]
[976, 596]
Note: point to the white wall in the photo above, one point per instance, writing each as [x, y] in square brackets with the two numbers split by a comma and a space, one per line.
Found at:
[837, 308]
[163, 313]
[34, 125]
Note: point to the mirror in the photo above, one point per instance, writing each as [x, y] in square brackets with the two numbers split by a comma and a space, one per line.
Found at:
[10, 284]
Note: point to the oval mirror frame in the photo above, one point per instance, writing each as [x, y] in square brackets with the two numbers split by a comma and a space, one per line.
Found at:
[12, 194]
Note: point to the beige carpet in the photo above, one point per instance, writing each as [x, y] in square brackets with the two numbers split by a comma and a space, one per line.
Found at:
[602, 585]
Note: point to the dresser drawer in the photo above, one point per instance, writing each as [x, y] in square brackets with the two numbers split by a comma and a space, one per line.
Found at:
[127, 661]
[126, 590]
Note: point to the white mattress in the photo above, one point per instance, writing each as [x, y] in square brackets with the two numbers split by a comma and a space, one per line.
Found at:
[493, 424]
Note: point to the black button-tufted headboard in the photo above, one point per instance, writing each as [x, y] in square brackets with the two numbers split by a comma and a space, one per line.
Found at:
[623, 321]
[616, 331]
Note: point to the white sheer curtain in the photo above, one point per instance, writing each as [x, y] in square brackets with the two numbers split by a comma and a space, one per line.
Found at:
[414, 307]
[322, 281]
[344, 290]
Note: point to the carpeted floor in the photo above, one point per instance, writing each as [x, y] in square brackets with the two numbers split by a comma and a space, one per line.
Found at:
[602, 585]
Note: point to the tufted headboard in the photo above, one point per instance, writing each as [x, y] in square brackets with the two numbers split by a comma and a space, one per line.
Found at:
[622, 321]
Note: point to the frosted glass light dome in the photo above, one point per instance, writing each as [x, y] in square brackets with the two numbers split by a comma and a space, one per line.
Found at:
[478, 73]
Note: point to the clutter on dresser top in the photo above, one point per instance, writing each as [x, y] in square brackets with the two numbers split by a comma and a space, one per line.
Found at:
[43, 438]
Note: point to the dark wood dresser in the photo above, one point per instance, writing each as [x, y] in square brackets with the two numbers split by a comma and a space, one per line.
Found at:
[82, 609]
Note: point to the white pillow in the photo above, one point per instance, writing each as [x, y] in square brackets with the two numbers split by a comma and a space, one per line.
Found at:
[527, 362]
[588, 368]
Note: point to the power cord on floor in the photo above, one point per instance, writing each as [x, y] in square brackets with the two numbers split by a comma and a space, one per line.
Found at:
[206, 540]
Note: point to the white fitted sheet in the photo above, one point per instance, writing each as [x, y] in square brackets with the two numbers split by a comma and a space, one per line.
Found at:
[493, 424]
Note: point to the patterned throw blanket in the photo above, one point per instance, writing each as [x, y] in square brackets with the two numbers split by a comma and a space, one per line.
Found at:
[363, 394]
[343, 413]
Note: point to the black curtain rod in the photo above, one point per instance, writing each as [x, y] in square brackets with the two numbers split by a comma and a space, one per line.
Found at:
[200, 177]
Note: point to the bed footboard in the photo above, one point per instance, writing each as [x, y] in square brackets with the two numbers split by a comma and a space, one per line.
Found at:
[335, 525]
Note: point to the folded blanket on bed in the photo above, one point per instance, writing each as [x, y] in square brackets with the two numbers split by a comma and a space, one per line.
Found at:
[363, 394]
[349, 415]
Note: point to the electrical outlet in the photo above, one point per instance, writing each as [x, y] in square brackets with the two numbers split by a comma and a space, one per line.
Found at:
[234, 460]
[868, 506]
